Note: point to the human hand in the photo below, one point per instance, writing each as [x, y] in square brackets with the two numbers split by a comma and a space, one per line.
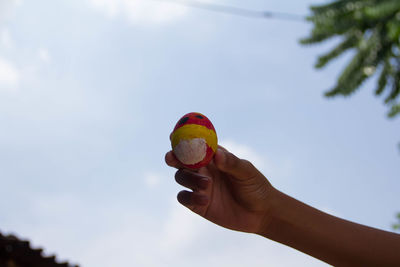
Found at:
[229, 191]
[232, 193]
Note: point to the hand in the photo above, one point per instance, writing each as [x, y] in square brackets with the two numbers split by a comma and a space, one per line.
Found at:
[230, 192]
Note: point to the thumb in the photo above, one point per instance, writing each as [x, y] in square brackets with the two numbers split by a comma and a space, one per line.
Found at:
[229, 163]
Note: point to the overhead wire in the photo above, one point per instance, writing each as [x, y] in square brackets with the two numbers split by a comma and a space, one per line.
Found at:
[237, 11]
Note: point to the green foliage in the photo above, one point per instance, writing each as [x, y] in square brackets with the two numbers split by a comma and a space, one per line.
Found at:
[369, 28]
[396, 226]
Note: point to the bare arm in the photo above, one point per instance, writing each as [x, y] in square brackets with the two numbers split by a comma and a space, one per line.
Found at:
[329, 238]
[232, 193]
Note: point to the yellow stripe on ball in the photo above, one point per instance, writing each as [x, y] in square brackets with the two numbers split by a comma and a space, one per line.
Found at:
[191, 131]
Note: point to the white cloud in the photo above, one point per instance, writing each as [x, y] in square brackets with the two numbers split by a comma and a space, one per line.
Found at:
[132, 242]
[245, 152]
[7, 8]
[152, 179]
[44, 55]
[181, 229]
[140, 11]
[5, 38]
[9, 75]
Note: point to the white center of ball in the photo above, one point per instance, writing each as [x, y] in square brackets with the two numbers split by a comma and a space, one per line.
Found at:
[191, 151]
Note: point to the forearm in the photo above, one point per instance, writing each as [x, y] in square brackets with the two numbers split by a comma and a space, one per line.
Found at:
[328, 238]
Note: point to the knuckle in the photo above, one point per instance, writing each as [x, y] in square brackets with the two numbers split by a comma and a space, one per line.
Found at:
[248, 164]
[249, 168]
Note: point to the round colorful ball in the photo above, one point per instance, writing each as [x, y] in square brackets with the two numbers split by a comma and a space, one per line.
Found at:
[194, 140]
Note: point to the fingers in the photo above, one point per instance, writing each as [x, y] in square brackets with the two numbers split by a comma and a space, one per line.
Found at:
[191, 180]
[171, 160]
[201, 185]
[229, 163]
[192, 199]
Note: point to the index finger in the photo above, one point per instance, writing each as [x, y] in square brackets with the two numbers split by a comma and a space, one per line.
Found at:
[171, 160]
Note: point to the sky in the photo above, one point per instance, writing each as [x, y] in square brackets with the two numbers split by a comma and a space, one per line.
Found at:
[90, 91]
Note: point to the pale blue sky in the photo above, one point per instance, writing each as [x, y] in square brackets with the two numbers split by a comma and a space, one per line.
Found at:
[90, 90]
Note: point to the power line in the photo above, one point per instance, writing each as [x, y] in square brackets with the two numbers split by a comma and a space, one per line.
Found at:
[237, 11]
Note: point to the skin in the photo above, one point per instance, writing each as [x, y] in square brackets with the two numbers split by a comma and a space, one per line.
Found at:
[232, 193]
